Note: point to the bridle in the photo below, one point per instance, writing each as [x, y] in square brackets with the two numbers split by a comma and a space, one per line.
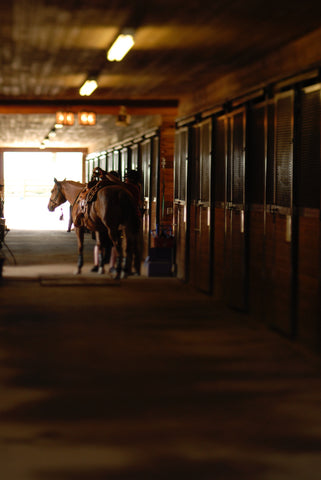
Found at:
[54, 200]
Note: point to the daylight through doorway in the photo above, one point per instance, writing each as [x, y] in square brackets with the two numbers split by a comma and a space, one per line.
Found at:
[28, 180]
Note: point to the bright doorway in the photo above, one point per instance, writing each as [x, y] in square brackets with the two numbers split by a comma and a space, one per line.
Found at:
[28, 180]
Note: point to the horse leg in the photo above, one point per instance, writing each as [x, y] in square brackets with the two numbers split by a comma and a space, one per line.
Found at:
[116, 237]
[101, 268]
[124, 250]
[134, 253]
[80, 241]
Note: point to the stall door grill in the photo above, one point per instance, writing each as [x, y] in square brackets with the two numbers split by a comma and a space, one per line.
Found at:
[284, 151]
[237, 126]
[236, 234]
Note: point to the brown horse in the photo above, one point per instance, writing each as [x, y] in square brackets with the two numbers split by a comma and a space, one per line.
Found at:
[112, 211]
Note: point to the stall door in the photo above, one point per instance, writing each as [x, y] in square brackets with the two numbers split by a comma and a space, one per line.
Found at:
[103, 161]
[154, 194]
[236, 221]
[146, 158]
[200, 212]
[110, 161]
[180, 202]
[124, 161]
[134, 157]
[219, 221]
[256, 166]
[308, 173]
[279, 218]
[117, 161]
[89, 169]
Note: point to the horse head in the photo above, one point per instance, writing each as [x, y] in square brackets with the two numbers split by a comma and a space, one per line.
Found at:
[56, 197]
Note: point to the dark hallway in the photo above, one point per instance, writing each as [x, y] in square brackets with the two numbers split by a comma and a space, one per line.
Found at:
[143, 379]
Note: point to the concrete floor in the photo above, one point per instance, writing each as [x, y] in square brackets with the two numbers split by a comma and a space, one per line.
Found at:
[144, 379]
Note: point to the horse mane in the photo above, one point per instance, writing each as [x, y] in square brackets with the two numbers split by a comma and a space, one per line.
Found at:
[72, 182]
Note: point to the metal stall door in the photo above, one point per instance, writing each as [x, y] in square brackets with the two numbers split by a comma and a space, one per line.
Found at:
[180, 200]
[200, 252]
[307, 198]
[146, 152]
[236, 231]
[279, 216]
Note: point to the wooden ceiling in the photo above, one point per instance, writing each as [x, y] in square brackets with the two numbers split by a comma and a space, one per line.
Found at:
[49, 48]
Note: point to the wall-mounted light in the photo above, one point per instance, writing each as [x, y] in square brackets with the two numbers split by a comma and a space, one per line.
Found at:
[123, 119]
[88, 87]
[87, 118]
[123, 43]
[65, 118]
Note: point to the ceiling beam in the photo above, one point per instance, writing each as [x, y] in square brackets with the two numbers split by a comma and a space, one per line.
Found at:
[134, 107]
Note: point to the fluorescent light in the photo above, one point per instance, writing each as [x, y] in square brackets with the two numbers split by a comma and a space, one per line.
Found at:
[88, 87]
[120, 47]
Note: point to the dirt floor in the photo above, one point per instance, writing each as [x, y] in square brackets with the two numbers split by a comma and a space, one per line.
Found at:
[143, 379]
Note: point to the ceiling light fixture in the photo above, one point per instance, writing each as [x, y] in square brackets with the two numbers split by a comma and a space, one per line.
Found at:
[87, 118]
[123, 43]
[52, 133]
[65, 118]
[88, 87]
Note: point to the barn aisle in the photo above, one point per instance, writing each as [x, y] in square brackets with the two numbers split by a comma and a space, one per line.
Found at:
[144, 379]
